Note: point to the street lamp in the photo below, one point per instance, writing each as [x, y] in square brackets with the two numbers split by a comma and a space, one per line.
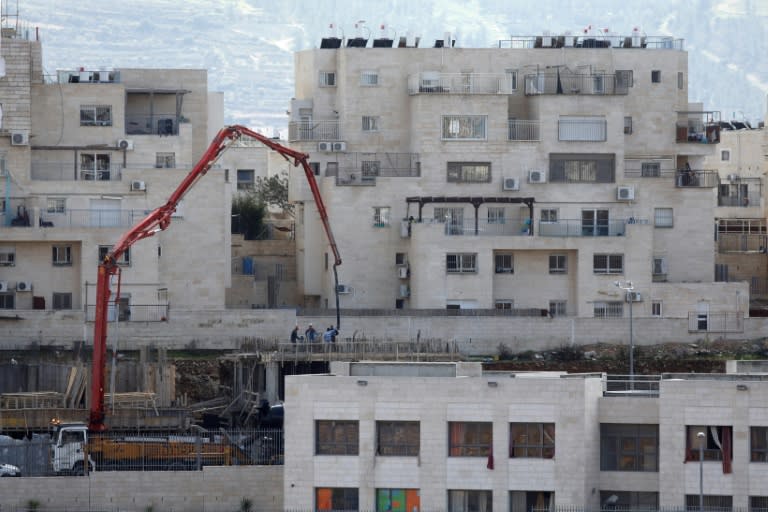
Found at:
[628, 287]
[701, 436]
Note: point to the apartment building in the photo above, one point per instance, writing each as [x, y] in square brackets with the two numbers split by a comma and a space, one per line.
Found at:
[461, 439]
[527, 177]
[87, 154]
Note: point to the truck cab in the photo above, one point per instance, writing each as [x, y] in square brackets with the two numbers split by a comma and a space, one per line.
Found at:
[69, 450]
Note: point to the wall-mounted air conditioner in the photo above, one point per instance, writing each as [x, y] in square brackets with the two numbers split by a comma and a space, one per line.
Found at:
[125, 144]
[634, 297]
[405, 290]
[339, 146]
[625, 193]
[3, 286]
[138, 186]
[510, 184]
[20, 138]
[325, 146]
[402, 272]
[537, 177]
[344, 288]
[23, 286]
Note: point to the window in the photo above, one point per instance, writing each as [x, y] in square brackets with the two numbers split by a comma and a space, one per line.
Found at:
[470, 438]
[496, 215]
[656, 76]
[613, 309]
[504, 304]
[95, 115]
[332, 169]
[245, 179]
[469, 172]
[717, 443]
[511, 75]
[398, 500]
[627, 125]
[628, 500]
[531, 501]
[758, 503]
[62, 254]
[598, 83]
[369, 169]
[336, 437]
[725, 155]
[6, 301]
[557, 308]
[400, 258]
[662, 217]
[7, 256]
[327, 79]
[165, 160]
[558, 264]
[624, 79]
[581, 168]
[680, 80]
[124, 260]
[629, 447]
[712, 503]
[381, 216]
[608, 263]
[461, 263]
[656, 310]
[535, 440]
[315, 166]
[504, 263]
[369, 78]
[336, 499]
[470, 501]
[62, 300]
[650, 169]
[659, 270]
[56, 205]
[576, 128]
[397, 438]
[549, 215]
[94, 166]
[370, 123]
[464, 127]
[758, 444]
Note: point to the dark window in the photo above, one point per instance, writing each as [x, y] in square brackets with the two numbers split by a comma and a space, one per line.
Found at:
[531, 501]
[625, 447]
[245, 179]
[758, 444]
[608, 263]
[469, 439]
[650, 169]
[581, 168]
[628, 500]
[165, 160]
[398, 500]
[336, 499]
[627, 125]
[62, 255]
[717, 442]
[656, 76]
[532, 440]
[461, 263]
[124, 260]
[712, 503]
[470, 501]
[469, 172]
[6, 301]
[95, 115]
[758, 504]
[336, 437]
[558, 264]
[504, 264]
[400, 438]
[624, 80]
[62, 300]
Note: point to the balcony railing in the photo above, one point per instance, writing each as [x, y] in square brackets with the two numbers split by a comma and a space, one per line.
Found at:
[741, 242]
[577, 227]
[740, 200]
[691, 178]
[157, 124]
[461, 83]
[581, 84]
[67, 171]
[522, 130]
[593, 41]
[329, 130]
[91, 218]
[133, 313]
[701, 127]
[726, 321]
[501, 227]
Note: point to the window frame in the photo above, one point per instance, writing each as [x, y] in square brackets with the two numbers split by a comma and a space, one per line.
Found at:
[341, 499]
[663, 217]
[504, 304]
[582, 168]
[758, 453]
[725, 155]
[382, 216]
[246, 184]
[711, 451]
[95, 115]
[476, 438]
[650, 169]
[56, 205]
[538, 448]
[97, 165]
[657, 309]
[8, 256]
[123, 261]
[464, 127]
[369, 78]
[629, 447]
[371, 124]
[392, 438]
[7, 300]
[496, 215]
[558, 308]
[468, 500]
[608, 309]
[62, 255]
[460, 266]
[326, 78]
[468, 172]
[559, 267]
[331, 445]
[504, 262]
[165, 160]
[627, 125]
[409, 499]
[610, 260]
[655, 76]
[549, 215]
[61, 300]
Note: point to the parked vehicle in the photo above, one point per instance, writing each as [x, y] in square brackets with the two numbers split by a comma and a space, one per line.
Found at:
[9, 470]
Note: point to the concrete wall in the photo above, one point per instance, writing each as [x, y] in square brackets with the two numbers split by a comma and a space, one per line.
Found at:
[213, 489]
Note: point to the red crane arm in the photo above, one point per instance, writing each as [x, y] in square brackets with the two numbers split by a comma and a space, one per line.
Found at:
[158, 220]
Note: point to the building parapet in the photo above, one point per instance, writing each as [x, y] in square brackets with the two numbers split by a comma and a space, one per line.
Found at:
[587, 41]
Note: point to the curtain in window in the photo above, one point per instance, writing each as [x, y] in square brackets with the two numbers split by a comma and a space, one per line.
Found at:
[324, 499]
[548, 450]
[489, 464]
[726, 448]
[458, 431]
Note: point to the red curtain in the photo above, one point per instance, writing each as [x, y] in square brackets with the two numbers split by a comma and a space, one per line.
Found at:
[489, 465]
[727, 449]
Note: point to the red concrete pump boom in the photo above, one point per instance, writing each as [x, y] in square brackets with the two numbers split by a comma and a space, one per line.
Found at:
[158, 220]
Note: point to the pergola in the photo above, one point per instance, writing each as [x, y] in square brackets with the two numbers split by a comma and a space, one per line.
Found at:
[474, 201]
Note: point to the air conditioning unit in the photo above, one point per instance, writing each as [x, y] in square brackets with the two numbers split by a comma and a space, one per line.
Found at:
[405, 290]
[24, 286]
[625, 193]
[339, 146]
[20, 138]
[325, 146]
[402, 272]
[344, 288]
[537, 177]
[125, 144]
[733, 177]
[634, 297]
[510, 184]
[137, 185]
[3, 286]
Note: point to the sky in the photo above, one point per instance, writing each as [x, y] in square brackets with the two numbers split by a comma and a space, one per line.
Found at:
[247, 46]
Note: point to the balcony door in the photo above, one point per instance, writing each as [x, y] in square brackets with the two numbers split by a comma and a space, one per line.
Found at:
[594, 222]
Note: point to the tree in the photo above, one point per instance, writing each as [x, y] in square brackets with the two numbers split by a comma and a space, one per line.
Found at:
[273, 191]
[248, 214]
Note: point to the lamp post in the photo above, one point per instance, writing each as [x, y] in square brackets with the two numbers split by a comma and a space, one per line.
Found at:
[628, 288]
[701, 436]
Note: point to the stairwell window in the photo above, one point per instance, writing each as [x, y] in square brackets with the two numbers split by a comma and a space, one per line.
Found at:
[62, 255]
[327, 79]
[656, 76]
[381, 216]
[627, 125]
[56, 205]
[461, 263]
[95, 115]
[369, 78]
[457, 127]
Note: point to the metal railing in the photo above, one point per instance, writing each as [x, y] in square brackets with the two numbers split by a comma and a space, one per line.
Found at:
[323, 130]
[66, 171]
[692, 178]
[577, 227]
[593, 41]
[567, 83]
[631, 385]
[740, 200]
[368, 349]
[741, 242]
[91, 218]
[523, 130]
[593, 130]
[461, 83]
[500, 227]
[726, 321]
[156, 124]
[133, 313]
[153, 452]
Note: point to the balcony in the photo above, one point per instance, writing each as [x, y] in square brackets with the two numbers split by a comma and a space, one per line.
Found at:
[66, 171]
[363, 169]
[314, 130]
[692, 178]
[567, 83]
[91, 218]
[499, 227]
[521, 130]
[725, 321]
[577, 227]
[158, 124]
[700, 127]
[432, 82]
[742, 242]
